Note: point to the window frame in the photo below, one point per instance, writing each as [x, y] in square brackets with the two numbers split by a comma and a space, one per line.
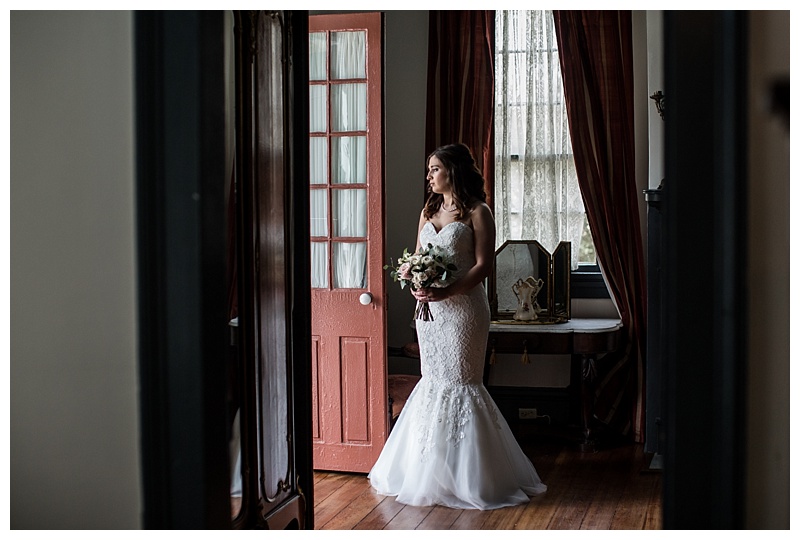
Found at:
[587, 282]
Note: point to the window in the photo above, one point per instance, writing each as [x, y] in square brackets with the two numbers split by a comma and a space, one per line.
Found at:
[536, 187]
[338, 152]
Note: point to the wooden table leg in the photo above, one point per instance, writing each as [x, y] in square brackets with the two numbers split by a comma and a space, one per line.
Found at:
[588, 377]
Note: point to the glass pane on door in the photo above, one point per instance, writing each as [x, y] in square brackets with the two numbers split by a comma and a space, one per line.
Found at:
[319, 212]
[349, 213]
[349, 160]
[349, 55]
[349, 107]
[349, 265]
[317, 56]
[318, 110]
[319, 265]
[318, 150]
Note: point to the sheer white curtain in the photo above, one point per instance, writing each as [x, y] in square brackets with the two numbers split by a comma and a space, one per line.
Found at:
[348, 159]
[536, 188]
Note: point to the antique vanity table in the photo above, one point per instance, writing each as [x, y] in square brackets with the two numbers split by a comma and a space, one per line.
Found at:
[554, 331]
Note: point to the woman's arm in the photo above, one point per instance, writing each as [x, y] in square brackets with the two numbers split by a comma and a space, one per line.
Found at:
[422, 221]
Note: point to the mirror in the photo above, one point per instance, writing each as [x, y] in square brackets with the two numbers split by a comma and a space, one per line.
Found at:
[529, 285]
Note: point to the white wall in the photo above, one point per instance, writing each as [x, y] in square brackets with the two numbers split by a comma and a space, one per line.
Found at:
[643, 106]
[405, 103]
[655, 82]
[74, 404]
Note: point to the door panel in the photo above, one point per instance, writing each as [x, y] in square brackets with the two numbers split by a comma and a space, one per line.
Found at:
[347, 278]
[315, 431]
[355, 390]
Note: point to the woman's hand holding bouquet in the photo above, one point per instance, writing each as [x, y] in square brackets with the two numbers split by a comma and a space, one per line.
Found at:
[421, 270]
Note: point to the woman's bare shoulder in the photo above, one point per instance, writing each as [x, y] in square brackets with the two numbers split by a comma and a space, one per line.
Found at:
[481, 211]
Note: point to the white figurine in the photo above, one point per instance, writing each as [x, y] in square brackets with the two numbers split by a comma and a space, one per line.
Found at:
[526, 291]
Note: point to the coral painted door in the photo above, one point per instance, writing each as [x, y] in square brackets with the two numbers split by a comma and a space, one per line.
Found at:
[348, 325]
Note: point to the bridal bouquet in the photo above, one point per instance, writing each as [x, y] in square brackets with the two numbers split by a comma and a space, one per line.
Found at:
[426, 268]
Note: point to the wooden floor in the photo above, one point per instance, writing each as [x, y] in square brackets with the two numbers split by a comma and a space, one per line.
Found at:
[612, 488]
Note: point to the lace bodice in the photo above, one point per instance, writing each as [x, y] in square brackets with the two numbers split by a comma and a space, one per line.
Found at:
[452, 346]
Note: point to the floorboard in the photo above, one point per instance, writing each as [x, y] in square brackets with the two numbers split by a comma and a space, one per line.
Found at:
[469, 520]
[409, 517]
[355, 512]
[611, 484]
[382, 514]
[612, 488]
[440, 518]
[342, 497]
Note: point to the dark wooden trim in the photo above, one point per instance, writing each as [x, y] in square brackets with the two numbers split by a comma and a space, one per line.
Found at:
[244, 156]
[183, 327]
[273, 251]
[300, 255]
[654, 433]
[704, 310]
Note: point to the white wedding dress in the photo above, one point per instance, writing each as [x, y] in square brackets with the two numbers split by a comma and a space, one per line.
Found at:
[451, 446]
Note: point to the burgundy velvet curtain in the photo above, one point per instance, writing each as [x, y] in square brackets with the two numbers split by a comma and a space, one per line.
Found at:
[461, 86]
[595, 48]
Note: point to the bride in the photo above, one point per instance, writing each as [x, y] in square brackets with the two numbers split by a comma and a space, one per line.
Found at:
[450, 445]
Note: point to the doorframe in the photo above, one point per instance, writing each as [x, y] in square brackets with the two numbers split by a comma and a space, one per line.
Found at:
[181, 248]
[273, 207]
[179, 151]
[705, 353]
[183, 331]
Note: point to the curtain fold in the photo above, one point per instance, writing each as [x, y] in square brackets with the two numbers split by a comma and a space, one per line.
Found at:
[597, 67]
[461, 86]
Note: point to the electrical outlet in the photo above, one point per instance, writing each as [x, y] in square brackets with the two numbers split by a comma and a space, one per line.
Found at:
[527, 414]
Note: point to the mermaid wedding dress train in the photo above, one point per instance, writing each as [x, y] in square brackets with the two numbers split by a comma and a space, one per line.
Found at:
[450, 445]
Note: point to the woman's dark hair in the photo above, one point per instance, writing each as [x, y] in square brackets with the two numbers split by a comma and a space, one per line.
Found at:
[464, 176]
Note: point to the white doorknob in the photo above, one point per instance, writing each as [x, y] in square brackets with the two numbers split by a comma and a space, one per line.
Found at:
[365, 299]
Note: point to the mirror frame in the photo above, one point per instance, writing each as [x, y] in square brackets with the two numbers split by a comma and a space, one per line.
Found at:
[555, 298]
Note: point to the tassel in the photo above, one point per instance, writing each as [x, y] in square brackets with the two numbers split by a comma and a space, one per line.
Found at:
[525, 353]
[492, 358]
